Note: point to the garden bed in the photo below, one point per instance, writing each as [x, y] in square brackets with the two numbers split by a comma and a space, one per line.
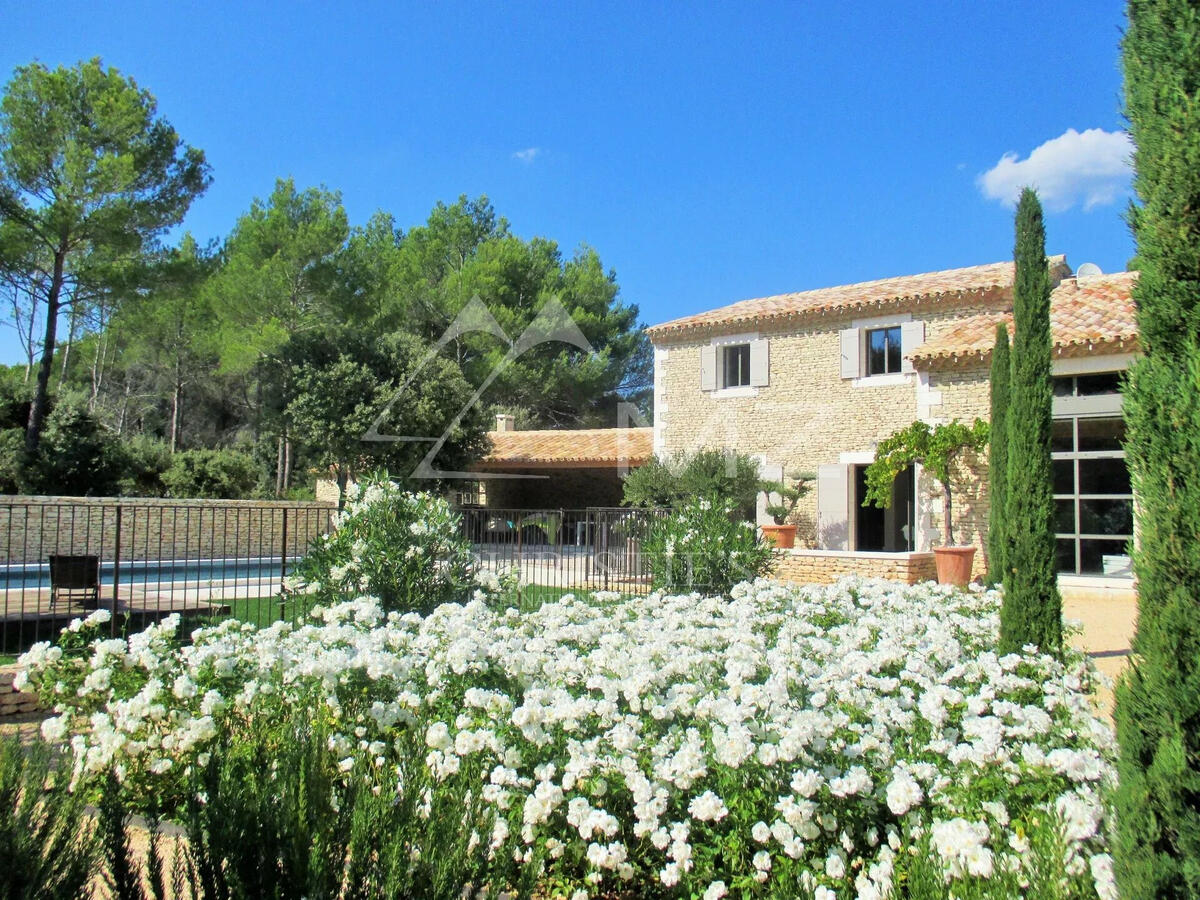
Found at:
[858, 739]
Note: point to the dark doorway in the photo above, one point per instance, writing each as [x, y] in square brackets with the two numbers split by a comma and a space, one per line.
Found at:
[887, 530]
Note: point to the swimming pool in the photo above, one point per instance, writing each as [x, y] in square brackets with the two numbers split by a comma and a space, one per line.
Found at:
[264, 570]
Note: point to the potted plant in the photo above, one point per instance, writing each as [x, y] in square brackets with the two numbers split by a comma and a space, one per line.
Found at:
[938, 450]
[789, 489]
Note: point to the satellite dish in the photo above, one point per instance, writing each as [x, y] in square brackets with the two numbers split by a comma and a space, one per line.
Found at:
[1088, 270]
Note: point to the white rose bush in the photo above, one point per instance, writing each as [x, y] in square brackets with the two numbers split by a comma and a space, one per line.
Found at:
[861, 739]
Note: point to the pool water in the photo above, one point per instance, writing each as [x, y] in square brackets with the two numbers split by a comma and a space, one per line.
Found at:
[260, 570]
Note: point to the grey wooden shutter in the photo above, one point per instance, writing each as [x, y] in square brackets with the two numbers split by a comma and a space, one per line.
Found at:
[851, 342]
[760, 363]
[912, 336]
[833, 507]
[708, 368]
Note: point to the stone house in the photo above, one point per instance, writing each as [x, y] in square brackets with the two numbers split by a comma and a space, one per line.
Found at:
[813, 380]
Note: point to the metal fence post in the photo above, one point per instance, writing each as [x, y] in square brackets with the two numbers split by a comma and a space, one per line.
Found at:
[116, 568]
[283, 554]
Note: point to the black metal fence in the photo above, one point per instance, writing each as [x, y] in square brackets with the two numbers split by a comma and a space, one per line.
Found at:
[553, 551]
[206, 560]
[143, 560]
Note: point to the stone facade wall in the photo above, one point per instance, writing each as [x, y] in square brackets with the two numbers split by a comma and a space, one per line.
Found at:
[808, 415]
[817, 567]
[32, 528]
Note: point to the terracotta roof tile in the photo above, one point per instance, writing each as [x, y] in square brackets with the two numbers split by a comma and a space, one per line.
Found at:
[1084, 313]
[930, 285]
[581, 448]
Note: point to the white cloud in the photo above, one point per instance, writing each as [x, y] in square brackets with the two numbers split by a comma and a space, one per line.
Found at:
[1090, 168]
[528, 155]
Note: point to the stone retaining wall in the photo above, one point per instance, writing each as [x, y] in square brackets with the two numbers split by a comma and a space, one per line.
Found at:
[13, 702]
[827, 566]
[31, 528]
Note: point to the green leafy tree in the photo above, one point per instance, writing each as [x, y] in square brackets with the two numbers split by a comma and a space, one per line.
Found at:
[675, 481]
[169, 328]
[277, 280]
[342, 381]
[465, 251]
[1001, 377]
[1032, 609]
[940, 450]
[90, 175]
[1157, 847]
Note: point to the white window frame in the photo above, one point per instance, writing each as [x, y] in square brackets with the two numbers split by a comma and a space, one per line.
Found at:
[723, 366]
[866, 352]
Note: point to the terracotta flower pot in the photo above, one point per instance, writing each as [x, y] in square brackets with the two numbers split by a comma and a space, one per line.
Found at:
[782, 536]
[954, 564]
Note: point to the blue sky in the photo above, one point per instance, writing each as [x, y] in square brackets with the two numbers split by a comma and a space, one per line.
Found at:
[709, 153]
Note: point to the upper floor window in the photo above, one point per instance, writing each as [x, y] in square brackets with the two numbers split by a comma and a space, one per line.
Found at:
[735, 365]
[877, 351]
[883, 350]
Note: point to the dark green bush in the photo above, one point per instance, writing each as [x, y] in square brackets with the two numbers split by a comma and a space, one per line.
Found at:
[211, 474]
[677, 480]
[144, 460]
[76, 456]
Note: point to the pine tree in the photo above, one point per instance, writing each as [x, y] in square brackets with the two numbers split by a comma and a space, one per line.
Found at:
[1157, 845]
[1032, 610]
[1001, 377]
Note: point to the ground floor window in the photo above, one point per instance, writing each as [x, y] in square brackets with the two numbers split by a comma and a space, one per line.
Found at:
[1093, 497]
[889, 530]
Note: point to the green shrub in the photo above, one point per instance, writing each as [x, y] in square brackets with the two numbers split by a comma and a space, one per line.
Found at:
[406, 549]
[211, 474]
[144, 461]
[76, 456]
[677, 480]
[705, 546]
[47, 849]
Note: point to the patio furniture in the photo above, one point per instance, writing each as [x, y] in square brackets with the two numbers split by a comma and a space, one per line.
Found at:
[74, 577]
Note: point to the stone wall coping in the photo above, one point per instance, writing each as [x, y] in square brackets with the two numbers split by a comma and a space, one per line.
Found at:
[26, 500]
[901, 556]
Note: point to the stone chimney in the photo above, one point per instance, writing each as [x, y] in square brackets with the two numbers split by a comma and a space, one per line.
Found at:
[506, 422]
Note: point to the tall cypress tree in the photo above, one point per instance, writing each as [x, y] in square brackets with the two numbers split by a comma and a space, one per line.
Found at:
[1158, 700]
[1032, 610]
[1001, 377]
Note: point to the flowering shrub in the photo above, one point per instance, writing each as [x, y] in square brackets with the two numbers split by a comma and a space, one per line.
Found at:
[405, 549]
[858, 739]
[703, 546]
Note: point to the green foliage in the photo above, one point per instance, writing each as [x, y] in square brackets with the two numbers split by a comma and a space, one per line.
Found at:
[1032, 610]
[790, 490]
[214, 474]
[678, 480]
[341, 381]
[406, 549]
[90, 175]
[939, 449]
[280, 819]
[45, 842]
[1001, 376]
[144, 460]
[75, 458]
[706, 546]
[1157, 846]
